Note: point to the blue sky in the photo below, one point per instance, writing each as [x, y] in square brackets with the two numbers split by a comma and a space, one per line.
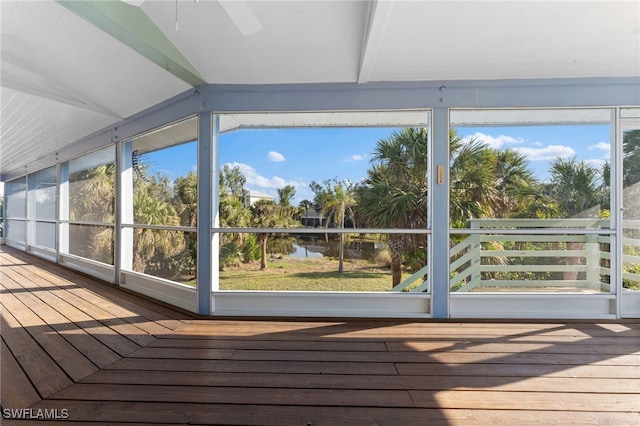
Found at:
[273, 158]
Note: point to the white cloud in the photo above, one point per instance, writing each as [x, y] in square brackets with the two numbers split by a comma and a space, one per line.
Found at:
[550, 152]
[493, 142]
[355, 157]
[596, 162]
[275, 156]
[257, 180]
[604, 147]
[537, 143]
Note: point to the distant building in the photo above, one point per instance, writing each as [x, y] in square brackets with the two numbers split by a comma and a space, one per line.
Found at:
[255, 196]
[311, 218]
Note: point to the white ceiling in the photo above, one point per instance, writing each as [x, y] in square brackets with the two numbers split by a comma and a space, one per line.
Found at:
[64, 77]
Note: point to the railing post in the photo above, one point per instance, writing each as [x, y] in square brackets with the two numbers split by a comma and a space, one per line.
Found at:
[593, 261]
[476, 277]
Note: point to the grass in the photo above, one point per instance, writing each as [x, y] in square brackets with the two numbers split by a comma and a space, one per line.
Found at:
[286, 274]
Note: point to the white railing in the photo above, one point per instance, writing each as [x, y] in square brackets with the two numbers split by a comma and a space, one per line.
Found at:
[533, 255]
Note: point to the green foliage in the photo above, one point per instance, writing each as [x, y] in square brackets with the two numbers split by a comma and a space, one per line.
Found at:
[414, 258]
[250, 248]
[232, 182]
[268, 214]
[575, 186]
[484, 183]
[394, 192]
[631, 160]
[185, 199]
[286, 194]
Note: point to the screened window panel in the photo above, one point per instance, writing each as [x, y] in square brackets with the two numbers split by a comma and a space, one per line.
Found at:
[16, 194]
[92, 242]
[165, 175]
[42, 234]
[92, 186]
[42, 193]
[16, 230]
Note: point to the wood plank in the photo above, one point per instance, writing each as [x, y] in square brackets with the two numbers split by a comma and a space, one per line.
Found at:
[237, 395]
[343, 381]
[398, 357]
[568, 401]
[72, 361]
[47, 377]
[95, 351]
[519, 370]
[130, 330]
[110, 338]
[281, 415]
[396, 332]
[16, 390]
[64, 277]
[102, 308]
[182, 353]
[282, 367]
[153, 310]
[499, 327]
[407, 369]
[214, 343]
[405, 357]
[461, 338]
[600, 346]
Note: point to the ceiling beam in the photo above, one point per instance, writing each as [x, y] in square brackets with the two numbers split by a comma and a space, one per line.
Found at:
[130, 25]
[19, 76]
[379, 11]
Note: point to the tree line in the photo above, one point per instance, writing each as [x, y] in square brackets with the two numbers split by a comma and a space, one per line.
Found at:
[484, 183]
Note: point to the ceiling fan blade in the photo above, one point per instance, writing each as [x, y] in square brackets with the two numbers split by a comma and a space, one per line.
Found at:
[134, 2]
[242, 15]
[238, 10]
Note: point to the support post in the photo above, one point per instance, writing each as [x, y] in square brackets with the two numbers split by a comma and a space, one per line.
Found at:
[207, 261]
[439, 212]
[123, 256]
[617, 210]
[63, 210]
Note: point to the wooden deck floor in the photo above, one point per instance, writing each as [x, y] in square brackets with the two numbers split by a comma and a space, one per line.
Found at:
[82, 351]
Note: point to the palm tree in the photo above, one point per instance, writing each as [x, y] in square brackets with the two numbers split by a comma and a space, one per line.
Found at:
[514, 182]
[186, 198]
[154, 243]
[631, 152]
[340, 203]
[92, 194]
[91, 198]
[185, 202]
[484, 182]
[473, 188]
[286, 194]
[394, 192]
[574, 185]
[232, 181]
[268, 214]
[233, 214]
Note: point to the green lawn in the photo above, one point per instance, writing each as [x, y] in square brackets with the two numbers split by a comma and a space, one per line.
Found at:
[307, 275]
